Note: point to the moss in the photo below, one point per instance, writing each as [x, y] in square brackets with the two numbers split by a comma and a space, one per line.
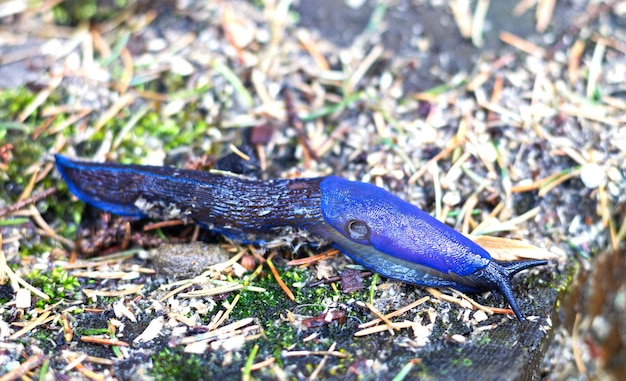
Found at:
[251, 302]
[46, 339]
[57, 284]
[485, 339]
[175, 365]
[273, 306]
[13, 101]
[25, 151]
[184, 130]
[24, 154]
[93, 331]
[563, 281]
[37, 247]
[73, 12]
[467, 362]
[107, 300]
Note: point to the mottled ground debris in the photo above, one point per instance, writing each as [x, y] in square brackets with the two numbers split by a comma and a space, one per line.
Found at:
[502, 118]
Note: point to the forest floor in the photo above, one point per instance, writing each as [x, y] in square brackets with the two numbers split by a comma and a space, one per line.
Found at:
[503, 119]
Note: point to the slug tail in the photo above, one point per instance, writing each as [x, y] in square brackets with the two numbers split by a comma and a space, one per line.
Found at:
[106, 188]
[236, 206]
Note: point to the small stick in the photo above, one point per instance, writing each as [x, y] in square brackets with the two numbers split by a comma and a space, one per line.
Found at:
[19, 372]
[30, 200]
[282, 284]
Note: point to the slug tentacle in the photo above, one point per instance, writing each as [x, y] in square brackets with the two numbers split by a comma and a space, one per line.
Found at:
[375, 228]
[497, 277]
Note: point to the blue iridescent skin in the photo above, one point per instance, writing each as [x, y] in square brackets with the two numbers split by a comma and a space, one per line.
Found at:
[373, 227]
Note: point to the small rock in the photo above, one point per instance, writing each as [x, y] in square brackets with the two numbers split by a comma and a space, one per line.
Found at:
[451, 198]
[181, 261]
[480, 316]
[592, 175]
[458, 338]
[22, 299]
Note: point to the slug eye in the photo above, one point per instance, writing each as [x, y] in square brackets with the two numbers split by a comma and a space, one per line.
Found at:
[358, 230]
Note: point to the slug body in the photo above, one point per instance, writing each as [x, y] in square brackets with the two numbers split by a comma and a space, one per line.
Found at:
[375, 228]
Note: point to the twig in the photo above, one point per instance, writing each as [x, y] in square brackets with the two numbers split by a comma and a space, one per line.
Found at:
[230, 308]
[30, 200]
[19, 372]
[282, 284]
[580, 364]
[316, 372]
[397, 312]
[314, 353]
[521, 44]
[104, 341]
[294, 121]
[314, 258]
[32, 325]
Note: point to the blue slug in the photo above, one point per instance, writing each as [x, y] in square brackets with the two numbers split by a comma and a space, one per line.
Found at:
[373, 227]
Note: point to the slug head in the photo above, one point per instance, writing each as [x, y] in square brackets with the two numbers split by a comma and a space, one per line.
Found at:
[374, 218]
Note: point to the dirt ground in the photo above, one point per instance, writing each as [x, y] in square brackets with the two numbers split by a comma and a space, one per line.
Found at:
[501, 118]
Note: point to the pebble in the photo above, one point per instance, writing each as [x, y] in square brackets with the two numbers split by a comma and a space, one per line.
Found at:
[183, 261]
[592, 175]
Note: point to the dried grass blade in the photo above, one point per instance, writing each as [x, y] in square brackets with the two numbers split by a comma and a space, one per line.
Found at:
[104, 341]
[230, 308]
[397, 312]
[380, 316]
[315, 375]
[307, 261]
[234, 80]
[521, 44]
[510, 249]
[461, 14]
[360, 71]
[307, 42]
[7, 272]
[129, 291]
[72, 119]
[115, 108]
[217, 332]
[262, 364]
[574, 58]
[28, 190]
[383, 328]
[32, 325]
[478, 22]
[545, 9]
[41, 97]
